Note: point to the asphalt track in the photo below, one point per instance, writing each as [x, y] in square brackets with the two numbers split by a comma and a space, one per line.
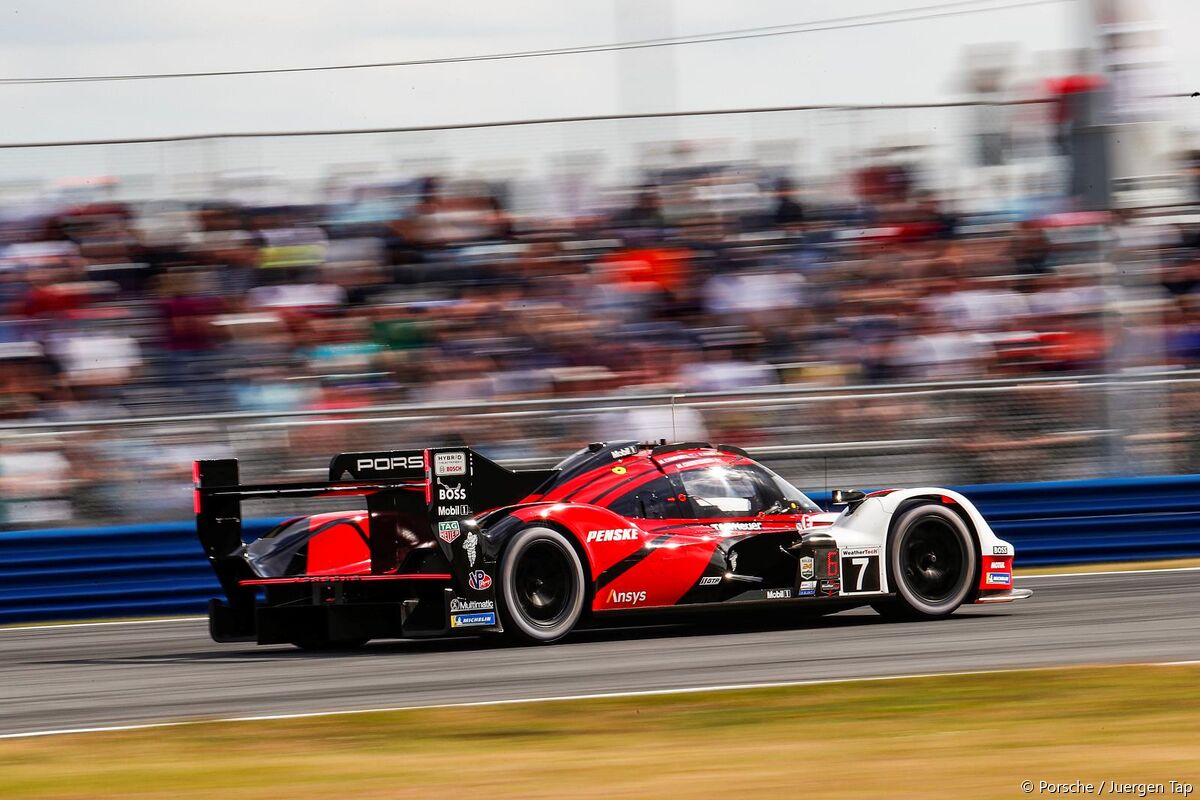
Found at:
[100, 675]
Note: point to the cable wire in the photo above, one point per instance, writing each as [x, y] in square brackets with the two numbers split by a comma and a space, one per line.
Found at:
[836, 23]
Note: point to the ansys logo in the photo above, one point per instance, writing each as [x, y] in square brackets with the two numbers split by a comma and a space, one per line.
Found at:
[626, 598]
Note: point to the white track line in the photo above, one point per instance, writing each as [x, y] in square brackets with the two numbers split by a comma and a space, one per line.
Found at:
[1105, 573]
[69, 625]
[567, 698]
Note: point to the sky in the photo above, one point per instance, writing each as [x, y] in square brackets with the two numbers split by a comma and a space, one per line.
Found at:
[899, 63]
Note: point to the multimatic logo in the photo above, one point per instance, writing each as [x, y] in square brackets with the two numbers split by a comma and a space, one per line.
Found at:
[461, 604]
[450, 491]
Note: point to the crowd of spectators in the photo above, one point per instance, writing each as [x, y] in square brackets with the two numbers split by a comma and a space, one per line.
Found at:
[698, 279]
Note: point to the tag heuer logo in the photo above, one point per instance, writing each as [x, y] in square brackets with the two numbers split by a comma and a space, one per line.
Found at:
[448, 531]
[449, 463]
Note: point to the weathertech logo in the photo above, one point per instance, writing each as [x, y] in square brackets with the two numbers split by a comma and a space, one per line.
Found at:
[625, 598]
[614, 535]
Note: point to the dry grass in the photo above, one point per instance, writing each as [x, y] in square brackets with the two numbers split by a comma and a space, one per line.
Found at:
[965, 736]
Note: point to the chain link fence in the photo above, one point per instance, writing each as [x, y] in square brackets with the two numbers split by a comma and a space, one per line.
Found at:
[977, 432]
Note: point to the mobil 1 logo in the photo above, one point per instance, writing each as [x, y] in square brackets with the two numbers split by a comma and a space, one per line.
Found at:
[860, 569]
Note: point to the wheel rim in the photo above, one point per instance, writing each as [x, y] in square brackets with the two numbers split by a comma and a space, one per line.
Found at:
[932, 560]
[542, 583]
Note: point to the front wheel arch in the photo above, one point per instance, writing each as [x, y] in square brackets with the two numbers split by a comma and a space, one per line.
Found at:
[956, 507]
[907, 601]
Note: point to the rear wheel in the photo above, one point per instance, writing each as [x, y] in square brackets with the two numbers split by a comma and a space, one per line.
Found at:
[932, 561]
[541, 585]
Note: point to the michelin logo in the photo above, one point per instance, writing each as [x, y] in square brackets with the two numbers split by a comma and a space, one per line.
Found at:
[472, 620]
[999, 577]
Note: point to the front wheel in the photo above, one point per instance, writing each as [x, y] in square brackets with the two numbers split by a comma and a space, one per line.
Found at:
[932, 562]
[541, 586]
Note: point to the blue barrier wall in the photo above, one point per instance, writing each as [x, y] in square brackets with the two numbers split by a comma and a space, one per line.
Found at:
[156, 569]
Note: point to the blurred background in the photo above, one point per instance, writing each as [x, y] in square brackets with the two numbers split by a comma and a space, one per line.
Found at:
[952, 243]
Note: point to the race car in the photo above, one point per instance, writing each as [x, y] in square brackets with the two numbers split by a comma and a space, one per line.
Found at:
[452, 543]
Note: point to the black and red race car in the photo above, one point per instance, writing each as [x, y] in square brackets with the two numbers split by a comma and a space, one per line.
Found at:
[453, 543]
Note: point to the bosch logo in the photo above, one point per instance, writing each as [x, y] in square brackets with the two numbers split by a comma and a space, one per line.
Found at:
[479, 580]
[450, 464]
[450, 492]
[387, 464]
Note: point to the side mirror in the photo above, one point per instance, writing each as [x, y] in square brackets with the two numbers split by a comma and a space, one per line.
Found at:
[847, 497]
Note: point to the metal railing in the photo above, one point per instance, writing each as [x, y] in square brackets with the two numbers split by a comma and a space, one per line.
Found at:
[984, 431]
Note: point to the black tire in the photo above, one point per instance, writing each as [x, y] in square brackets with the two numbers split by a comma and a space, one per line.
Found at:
[541, 589]
[336, 645]
[932, 564]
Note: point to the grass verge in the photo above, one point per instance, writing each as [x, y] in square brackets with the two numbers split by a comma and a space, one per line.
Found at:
[975, 736]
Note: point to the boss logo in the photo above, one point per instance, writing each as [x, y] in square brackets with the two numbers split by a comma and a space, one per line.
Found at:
[451, 492]
[386, 464]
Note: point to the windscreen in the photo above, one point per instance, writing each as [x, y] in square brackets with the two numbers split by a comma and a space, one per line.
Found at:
[747, 490]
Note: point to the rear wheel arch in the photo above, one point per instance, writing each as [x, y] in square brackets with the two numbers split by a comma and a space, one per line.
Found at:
[573, 539]
[506, 573]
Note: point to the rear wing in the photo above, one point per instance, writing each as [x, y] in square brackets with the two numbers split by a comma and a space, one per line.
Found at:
[408, 493]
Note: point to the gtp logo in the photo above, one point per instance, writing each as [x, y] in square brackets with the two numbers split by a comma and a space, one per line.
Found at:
[479, 580]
